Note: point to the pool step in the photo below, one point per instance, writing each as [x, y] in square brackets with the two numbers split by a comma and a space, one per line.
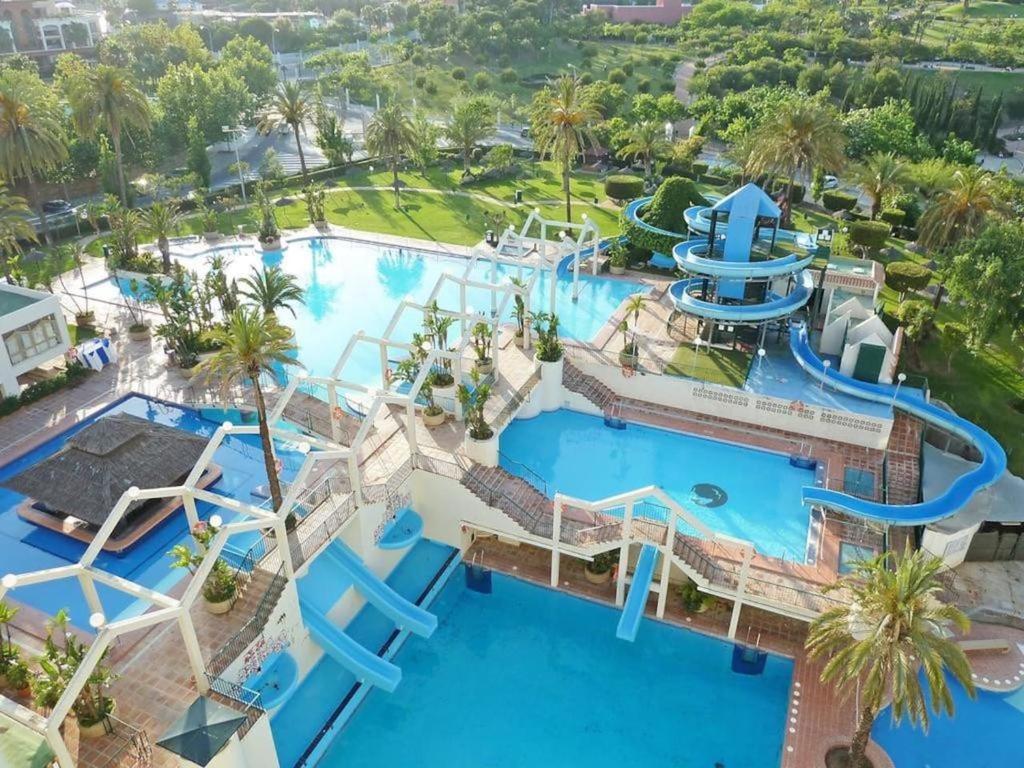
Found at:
[586, 385]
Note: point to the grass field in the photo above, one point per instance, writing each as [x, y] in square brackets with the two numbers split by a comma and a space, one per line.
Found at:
[984, 9]
[718, 366]
[969, 80]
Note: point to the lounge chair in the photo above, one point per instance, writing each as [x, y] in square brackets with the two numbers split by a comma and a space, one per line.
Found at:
[984, 646]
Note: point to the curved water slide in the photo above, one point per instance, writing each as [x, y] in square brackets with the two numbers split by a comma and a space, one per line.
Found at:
[959, 493]
[775, 305]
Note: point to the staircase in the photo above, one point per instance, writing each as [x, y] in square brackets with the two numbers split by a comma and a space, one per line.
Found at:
[589, 387]
[523, 503]
[256, 598]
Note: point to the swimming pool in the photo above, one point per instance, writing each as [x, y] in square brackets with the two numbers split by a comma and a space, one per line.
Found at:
[983, 733]
[351, 286]
[747, 493]
[527, 676]
[27, 547]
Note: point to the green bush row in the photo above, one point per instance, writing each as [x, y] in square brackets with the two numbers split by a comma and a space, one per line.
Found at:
[69, 377]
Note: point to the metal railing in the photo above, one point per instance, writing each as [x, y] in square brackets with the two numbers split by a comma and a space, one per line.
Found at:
[523, 472]
[508, 410]
[248, 701]
[251, 630]
[306, 541]
[133, 749]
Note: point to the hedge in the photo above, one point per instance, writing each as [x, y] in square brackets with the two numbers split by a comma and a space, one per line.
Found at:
[838, 201]
[903, 276]
[674, 196]
[69, 377]
[623, 187]
[869, 234]
[893, 216]
[699, 168]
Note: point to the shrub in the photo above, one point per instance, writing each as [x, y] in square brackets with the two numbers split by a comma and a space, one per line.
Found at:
[627, 67]
[420, 81]
[715, 180]
[70, 376]
[665, 212]
[481, 81]
[643, 85]
[893, 216]
[623, 187]
[459, 73]
[699, 168]
[418, 58]
[838, 201]
[668, 86]
[430, 87]
[586, 78]
[869, 234]
[617, 76]
[509, 75]
[782, 184]
[906, 202]
[904, 276]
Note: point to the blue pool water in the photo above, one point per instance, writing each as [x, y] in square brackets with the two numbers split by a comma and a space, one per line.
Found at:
[26, 547]
[527, 677]
[578, 455]
[984, 733]
[351, 286]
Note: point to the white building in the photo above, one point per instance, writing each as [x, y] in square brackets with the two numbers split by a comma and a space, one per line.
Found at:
[33, 330]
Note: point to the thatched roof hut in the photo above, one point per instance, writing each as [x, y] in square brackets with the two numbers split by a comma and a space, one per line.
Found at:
[85, 479]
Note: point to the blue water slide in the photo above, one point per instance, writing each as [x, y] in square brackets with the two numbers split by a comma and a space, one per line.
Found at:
[405, 614]
[690, 257]
[635, 208]
[636, 600]
[364, 664]
[776, 306]
[959, 493]
[698, 219]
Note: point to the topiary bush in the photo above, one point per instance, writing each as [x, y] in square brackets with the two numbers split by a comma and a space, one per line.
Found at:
[834, 201]
[617, 76]
[643, 85]
[509, 75]
[459, 73]
[904, 276]
[699, 168]
[481, 81]
[674, 196]
[893, 216]
[623, 187]
[869, 234]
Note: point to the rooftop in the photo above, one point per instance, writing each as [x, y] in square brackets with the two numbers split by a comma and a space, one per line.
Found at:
[11, 301]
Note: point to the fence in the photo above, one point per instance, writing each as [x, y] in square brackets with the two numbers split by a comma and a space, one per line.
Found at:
[133, 749]
[250, 631]
[245, 699]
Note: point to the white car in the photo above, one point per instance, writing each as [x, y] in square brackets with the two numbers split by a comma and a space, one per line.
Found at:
[831, 182]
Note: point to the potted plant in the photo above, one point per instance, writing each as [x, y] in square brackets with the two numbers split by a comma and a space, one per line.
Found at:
[209, 223]
[138, 328]
[19, 679]
[629, 357]
[408, 370]
[519, 309]
[63, 653]
[599, 570]
[482, 340]
[549, 353]
[220, 587]
[693, 599]
[618, 259]
[481, 443]
[269, 234]
[316, 205]
[9, 653]
[436, 326]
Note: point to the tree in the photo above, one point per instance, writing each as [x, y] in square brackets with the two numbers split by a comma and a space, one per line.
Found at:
[331, 139]
[646, 141]
[917, 318]
[290, 106]
[960, 211]
[472, 120]
[271, 289]
[14, 228]
[986, 275]
[887, 128]
[213, 97]
[903, 276]
[162, 220]
[953, 338]
[31, 134]
[562, 120]
[108, 97]
[800, 136]
[426, 134]
[196, 159]
[252, 62]
[887, 638]
[879, 176]
[250, 345]
[389, 135]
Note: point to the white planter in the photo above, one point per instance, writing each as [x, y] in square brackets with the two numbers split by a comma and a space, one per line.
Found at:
[484, 452]
[271, 246]
[550, 387]
[616, 270]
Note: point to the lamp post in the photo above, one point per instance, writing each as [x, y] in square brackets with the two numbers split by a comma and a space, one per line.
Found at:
[826, 365]
[696, 348]
[232, 131]
[899, 383]
[761, 352]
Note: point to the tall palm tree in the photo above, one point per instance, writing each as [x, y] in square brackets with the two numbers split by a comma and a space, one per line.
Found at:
[291, 106]
[562, 120]
[14, 227]
[471, 121]
[880, 175]
[389, 135]
[646, 140]
[271, 289]
[894, 632]
[801, 136]
[109, 97]
[162, 220]
[32, 138]
[250, 344]
[959, 211]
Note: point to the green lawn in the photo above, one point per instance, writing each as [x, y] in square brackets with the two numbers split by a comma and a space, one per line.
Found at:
[984, 9]
[718, 366]
[79, 334]
[991, 83]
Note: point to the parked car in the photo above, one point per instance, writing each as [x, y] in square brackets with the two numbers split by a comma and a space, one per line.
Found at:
[831, 182]
[57, 207]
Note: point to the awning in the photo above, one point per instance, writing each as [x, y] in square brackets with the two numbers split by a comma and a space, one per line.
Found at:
[202, 731]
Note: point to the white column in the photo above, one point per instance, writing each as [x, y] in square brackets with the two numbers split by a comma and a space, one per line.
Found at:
[666, 561]
[383, 366]
[556, 532]
[354, 478]
[627, 528]
[332, 404]
[576, 273]
[410, 427]
[191, 643]
[188, 501]
[92, 597]
[9, 386]
[457, 375]
[741, 587]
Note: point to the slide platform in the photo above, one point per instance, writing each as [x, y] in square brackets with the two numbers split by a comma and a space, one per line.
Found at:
[775, 307]
[959, 493]
[691, 256]
[636, 600]
[364, 664]
[405, 614]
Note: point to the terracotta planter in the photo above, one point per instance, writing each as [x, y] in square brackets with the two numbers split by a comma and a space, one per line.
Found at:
[485, 366]
[140, 334]
[96, 730]
[271, 246]
[597, 578]
[217, 608]
[433, 419]
[616, 270]
[483, 452]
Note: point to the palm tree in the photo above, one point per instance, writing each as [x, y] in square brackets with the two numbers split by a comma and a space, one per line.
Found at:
[879, 176]
[251, 344]
[646, 140]
[14, 227]
[801, 136]
[959, 211]
[271, 289]
[162, 220]
[290, 106]
[472, 121]
[562, 119]
[108, 96]
[32, 138]
[894, 629]
[389, 135]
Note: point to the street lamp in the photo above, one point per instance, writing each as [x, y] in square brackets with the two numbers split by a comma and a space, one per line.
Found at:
[826, 364]
[233, 131]
[761, 352]
[696, 349]
[899, 383]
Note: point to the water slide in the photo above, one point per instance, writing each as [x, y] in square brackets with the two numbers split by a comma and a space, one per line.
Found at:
[379, 594]
[775, 305]
[959, 493]
[636, 600]
[364, 664]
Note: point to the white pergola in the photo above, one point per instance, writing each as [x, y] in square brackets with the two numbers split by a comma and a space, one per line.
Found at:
[162, 607]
